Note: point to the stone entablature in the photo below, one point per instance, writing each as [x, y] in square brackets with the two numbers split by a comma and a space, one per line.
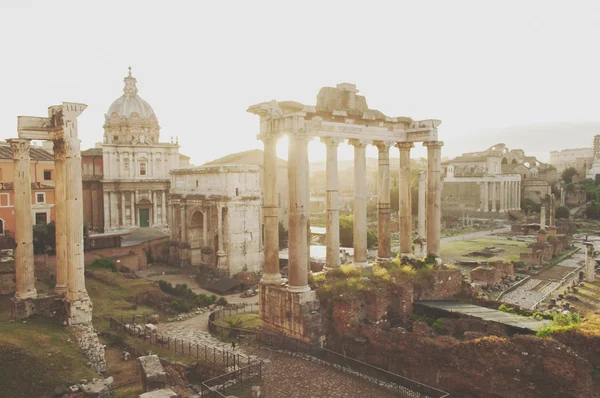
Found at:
[216, 214]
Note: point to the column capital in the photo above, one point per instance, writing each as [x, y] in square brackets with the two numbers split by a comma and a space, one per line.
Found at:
[268, 136]
[332, 140]
[20, 148]
[383, 146]
[359, 143]
[404, 145]
[59, 150]
[433, 144]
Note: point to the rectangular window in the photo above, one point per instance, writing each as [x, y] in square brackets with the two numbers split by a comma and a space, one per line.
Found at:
[41, 218]
[142, 169]
[40, 197]
[47, 175]
[4, 200]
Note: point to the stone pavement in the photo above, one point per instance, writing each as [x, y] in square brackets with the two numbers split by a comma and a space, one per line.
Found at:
[533, 291]
[290, 377]
[474, 235]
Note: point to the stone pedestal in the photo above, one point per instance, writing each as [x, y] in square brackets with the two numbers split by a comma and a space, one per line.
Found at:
[294, 314]
[552, 231]
[79, 311]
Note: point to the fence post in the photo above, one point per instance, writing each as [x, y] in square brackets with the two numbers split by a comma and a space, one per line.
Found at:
[196, 350]
[189, 348]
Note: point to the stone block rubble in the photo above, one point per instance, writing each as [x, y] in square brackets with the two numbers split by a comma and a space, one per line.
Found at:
[87, 340]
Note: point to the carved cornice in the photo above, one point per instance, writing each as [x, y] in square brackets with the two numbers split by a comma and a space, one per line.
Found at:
[333, 141]
[433, 144]
[20, 149]
[406, 146]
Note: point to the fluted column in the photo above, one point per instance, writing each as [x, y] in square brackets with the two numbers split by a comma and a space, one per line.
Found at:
[421, 210]
[516, 195]
[360, 202]
[298, 224]
[519, 195]
[205, 227]
[332, 203]
[383, 200]
[183, 221]
[220, 251]
[271, 273]
[434, 195]
[24, 265]
[163, 215]
[404, 208]
[74, 195]
[503, 207]
[60, 201]
[543, 217]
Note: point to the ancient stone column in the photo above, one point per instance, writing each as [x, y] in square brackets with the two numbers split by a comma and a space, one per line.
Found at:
[163, 214]
[220, 251]
[298, 251]
[404, 208]
[590, 263]
[24, 265]
[434, 195]
[123, 211]
[509, 195]
[360, 202]
[383, 201]
[421, 210]
[494, 198]
[271, 273]
[503, 206]
[205, 227]
[60, 200]
[183, 221]
[543, 217]
[552, 211]
[486, 193]
[519, 195]
[332, 208]
[562, 196]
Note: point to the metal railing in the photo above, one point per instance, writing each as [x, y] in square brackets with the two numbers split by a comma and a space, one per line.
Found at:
[217, 386]
[223, 358]
[229, 332]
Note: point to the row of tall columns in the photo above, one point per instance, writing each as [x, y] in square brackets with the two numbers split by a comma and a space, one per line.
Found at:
[504, 195]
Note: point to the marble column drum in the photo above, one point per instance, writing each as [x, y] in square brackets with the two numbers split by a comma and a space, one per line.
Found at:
[404, 208]
[332, 203]
[60, 201]
[24, 264]
[434, 196]
[271, 273]
[383, 200]
[360, 202]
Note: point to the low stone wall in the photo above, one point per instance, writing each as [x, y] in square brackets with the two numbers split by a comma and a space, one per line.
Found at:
[443, 285]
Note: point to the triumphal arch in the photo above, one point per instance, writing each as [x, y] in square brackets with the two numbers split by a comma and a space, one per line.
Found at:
[339, 115]
[60, 127]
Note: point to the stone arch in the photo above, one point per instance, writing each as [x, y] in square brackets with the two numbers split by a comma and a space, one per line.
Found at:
[504, 161]
[514, 161]
[195, 234]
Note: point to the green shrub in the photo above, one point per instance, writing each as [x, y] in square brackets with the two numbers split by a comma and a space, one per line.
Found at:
[438, 326]
[506, 309]
[103, 263]
[180, 305]
[222, 301]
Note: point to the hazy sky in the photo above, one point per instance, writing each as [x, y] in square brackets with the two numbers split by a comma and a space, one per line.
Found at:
[476, 65]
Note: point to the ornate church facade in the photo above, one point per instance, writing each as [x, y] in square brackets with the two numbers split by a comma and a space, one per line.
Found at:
[126, 177]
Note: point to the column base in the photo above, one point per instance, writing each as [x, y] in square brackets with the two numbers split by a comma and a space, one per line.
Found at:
[79, 311]
[298, 289]
[61, 289]
[46, 305]
[271, 279]
[361, 264]
[293, 314]
[384, 259]
[26, 296]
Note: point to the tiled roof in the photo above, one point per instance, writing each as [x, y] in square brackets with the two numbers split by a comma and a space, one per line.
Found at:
[34, 153]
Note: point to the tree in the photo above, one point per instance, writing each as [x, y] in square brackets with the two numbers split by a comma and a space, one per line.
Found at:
[347, 233]
[283, 236]
[44, 237]
[568, 174]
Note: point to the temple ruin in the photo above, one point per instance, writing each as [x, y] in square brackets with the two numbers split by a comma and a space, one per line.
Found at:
[340, 114]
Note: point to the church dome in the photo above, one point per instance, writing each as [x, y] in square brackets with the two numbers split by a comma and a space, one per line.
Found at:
[130, 102]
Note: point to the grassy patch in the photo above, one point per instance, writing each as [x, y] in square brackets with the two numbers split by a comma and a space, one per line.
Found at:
[243, 321]
[37, 356]
[456, 250]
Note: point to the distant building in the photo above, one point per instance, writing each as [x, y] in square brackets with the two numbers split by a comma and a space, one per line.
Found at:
[255, 157]
[216, 214]
[126, 178]
[579, 158]
[42, 188]
[595, 167]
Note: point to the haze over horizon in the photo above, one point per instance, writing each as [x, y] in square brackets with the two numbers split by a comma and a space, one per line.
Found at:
[520, 73]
